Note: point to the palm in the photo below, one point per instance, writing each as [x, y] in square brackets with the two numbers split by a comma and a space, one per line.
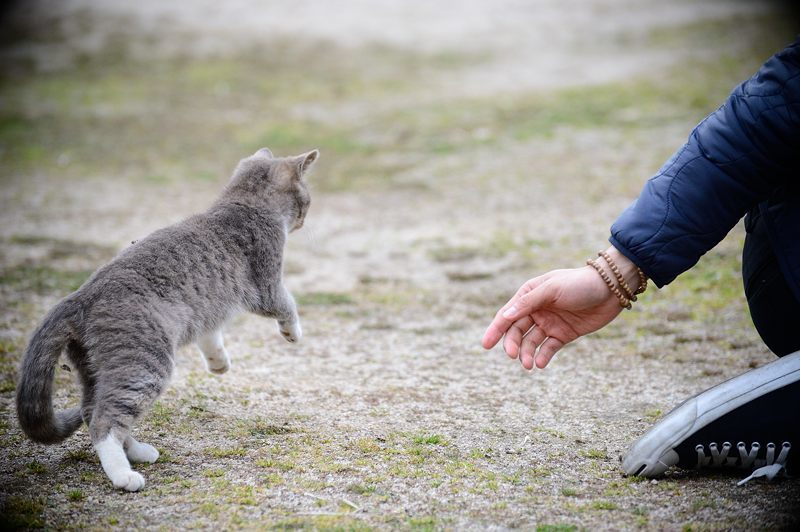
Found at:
[554, 309]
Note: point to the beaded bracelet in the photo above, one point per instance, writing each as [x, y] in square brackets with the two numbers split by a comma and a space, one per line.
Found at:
[642, 282]
[626, 289]
[623, 301]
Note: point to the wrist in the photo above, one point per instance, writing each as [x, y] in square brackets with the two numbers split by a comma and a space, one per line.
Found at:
[626, 267]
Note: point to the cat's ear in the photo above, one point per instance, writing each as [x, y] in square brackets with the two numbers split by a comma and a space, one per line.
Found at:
[266, 153]
[305, 161]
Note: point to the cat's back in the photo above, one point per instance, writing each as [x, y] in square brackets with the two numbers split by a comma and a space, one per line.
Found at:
[190, 259]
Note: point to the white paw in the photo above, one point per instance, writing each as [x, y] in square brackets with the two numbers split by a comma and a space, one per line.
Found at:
[218, 366]
[128, 480]
[219, 370]
[142, 453]
[218, 361]
[291, 331]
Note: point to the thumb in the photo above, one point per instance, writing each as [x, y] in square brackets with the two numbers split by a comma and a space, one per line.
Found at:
[530, 302]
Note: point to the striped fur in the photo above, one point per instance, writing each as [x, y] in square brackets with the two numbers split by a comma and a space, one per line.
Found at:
[179, 285]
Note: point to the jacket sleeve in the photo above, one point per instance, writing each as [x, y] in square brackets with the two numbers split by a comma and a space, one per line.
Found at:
[738, 156]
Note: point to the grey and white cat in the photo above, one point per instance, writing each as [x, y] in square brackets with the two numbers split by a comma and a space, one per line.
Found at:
[179, 285]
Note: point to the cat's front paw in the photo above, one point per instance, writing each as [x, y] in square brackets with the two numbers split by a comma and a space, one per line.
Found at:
[292, 332]
[217, 361]
[219, 367]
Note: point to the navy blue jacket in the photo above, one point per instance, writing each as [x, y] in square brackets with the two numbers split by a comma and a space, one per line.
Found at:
[743, 156]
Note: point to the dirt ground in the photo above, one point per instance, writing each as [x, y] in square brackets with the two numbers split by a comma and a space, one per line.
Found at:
[466, 147]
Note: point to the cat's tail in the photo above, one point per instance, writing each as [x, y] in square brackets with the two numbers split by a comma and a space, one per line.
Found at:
[35, 386]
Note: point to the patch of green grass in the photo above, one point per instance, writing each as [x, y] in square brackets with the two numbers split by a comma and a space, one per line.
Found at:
[653, 415]
[80, 455]
[324, 298]
[595, 454]
[210, 509]
[75, 495]
[273, 479]
[731, 28]
[362, 489]
[260, 428]
[229, 452]
[43, 279]
[455, 253]
[481, 453]
[37, 467]
[670, 486]
[705, 502]
[162, 416]
[603, 505]
[7, 385]
[10, 346]
[88, 476]
[556, 528]
[321, 522]
[242, 495]
[714, 284]
[465, 277]
[275, 464]
[335, 467]
[165, 457]
[618, 489]
[540, 472]
[550, 432]
[214, 473]
[367, 445]
[433, 439]
[20, 512]
[425, 523]
[393, 297]
[569, 492]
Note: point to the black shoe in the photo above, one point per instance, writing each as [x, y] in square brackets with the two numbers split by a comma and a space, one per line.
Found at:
[749, 422]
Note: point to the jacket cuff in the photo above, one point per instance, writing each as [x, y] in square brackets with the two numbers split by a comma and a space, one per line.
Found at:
[638, 262]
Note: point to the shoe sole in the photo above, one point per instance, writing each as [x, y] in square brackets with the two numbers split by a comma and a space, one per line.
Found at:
[654, 453]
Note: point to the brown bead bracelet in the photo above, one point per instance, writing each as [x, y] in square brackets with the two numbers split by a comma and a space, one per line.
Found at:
[623, 301]
[626, 289]
[642, 282]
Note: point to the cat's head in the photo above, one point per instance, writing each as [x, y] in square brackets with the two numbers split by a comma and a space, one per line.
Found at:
[275, 183]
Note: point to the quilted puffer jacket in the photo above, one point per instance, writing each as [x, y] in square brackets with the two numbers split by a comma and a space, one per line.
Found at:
[743, 156]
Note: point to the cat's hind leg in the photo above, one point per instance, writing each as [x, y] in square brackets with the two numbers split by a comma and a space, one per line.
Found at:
[216, 356]
[115, 463]
[127, 383]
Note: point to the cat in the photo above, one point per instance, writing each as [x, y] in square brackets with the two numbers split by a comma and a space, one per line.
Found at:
[179, 285]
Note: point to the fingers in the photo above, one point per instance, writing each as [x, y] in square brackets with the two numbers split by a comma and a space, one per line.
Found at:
[493, 334]
[515, 334]
[530, 342]
[546, 352]
[530, 302]
[530, 296]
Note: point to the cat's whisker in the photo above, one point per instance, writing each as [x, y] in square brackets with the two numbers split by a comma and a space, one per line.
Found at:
[311, 236]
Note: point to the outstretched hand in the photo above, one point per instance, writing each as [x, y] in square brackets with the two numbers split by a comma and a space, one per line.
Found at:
[550, 311]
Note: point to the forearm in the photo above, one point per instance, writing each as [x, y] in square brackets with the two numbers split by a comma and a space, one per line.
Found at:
[740, 155]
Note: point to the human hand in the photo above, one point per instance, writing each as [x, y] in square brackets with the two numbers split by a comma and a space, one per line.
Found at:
[551, 310]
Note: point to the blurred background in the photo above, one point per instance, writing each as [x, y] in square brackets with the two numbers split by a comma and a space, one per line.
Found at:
[466, 146]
